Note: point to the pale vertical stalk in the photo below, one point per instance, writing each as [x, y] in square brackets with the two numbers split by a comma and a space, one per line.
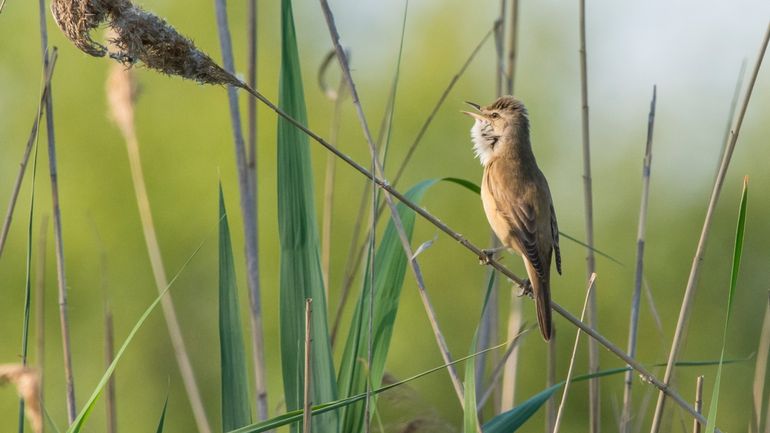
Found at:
[698, 403]
[550, 405]
[477, 252]
[508, 396]
[40, 304]
[307, 414]
[760, 372]
[326, 228]
[57, 228]
[625, 417]
[512, 363]
[500, 77]
[122, 111]
[557, 422]
[249, 214]
[692, 282]
[497, 372]
[251, 79]
[109, 357]
[593, 349]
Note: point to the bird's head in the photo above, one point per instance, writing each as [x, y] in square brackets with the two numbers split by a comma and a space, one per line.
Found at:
[497, 126]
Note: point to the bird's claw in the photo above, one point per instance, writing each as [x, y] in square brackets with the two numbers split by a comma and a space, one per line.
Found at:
[526, 289]
[486, 257]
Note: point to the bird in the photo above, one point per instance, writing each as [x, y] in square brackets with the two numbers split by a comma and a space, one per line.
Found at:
[516, 198]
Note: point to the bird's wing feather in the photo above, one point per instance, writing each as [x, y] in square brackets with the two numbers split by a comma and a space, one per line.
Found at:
[555, 235]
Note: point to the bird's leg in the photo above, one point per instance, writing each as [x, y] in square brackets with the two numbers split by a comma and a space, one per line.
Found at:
[526, 289]
[488, 255]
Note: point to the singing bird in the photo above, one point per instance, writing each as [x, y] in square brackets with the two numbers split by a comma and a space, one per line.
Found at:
[516, 197]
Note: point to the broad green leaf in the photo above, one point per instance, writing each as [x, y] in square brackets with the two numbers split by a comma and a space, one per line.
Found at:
[85, 413]
[300, 274]
[736, 265]
[162, 420]
[390, 267]
[236, 410]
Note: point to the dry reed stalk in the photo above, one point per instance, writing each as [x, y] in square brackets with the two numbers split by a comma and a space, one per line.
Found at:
[307, 414]
[27, 383]
[698, 402]
[557, 422]
[594, 402]
[251, 79]
[57, 226]
[247, 189]
[377, 166]
[692, 282]
[550, 405]
[633, 326]
[121, 90]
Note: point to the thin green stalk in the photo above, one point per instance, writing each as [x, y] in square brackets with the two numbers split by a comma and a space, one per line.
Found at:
[40, 305]
[692, 281]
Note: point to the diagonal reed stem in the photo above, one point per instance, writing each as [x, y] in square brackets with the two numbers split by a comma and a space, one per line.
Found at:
[692, 282]
[568, 380]
[249, 214]
[625, 417]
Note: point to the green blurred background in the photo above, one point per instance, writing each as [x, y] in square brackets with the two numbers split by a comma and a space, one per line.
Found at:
[691, 50]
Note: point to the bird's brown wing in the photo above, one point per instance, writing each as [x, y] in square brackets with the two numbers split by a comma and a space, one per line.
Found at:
[555, 236]
[518, 205]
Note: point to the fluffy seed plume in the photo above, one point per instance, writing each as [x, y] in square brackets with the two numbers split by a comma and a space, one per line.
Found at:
[27, 382]
[140, 36]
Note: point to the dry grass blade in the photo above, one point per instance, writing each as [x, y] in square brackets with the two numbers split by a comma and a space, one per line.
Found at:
[594, 418]
[568, 380]
[692, 281]
[33, 134]
[27, 383]
[394, 212]
[696, 428]
[639, 274]
[512, 47]
[251, 79]
[550, 405]
[120, 94]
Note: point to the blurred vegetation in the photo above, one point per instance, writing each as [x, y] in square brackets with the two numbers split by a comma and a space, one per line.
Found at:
[186, 144]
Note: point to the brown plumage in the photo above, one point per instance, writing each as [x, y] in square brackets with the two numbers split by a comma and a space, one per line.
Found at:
[516, 197]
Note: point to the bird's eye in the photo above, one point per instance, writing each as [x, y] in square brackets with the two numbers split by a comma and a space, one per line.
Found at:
[495, 116]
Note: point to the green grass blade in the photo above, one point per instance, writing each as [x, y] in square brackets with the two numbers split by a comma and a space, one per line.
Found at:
[390, 265]
[235, 391]
[300, 274]
[162, 420]
[470, 414]
[85, 413]
[736, 265]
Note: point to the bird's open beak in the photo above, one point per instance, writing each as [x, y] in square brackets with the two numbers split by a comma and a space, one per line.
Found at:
[476, 116]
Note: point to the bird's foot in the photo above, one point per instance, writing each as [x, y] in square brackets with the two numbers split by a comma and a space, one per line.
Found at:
[487, 256]
[526, 289]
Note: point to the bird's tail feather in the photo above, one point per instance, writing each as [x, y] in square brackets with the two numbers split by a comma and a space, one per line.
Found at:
[541, 291]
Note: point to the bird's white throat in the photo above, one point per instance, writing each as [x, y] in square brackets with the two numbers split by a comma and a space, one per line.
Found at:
[483, 141]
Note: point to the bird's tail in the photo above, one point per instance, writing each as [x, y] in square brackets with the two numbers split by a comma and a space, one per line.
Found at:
[541, 291]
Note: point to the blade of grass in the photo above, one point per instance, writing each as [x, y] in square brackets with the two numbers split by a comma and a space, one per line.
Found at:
[40, 304]
[120, 90]
[560, 413]
[77, 425]
[736, 266]
[390, 262]
[235, 389]
[692, 281]
[306, 416]
[625, 417]
[162, 420]
[248, 200]
[301, 276]
[470, 413]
